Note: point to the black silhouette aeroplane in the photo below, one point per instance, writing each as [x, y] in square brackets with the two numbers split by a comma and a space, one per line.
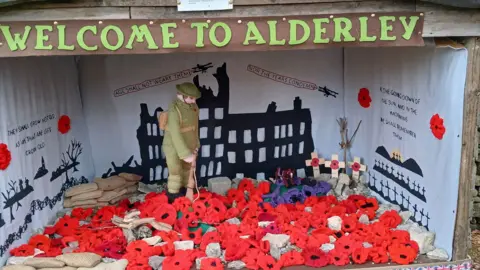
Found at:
[202, 68]
[327, 92]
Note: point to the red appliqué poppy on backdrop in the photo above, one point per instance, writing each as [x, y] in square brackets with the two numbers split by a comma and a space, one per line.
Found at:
[364, 98]
[64, 124]
[5, 156]
[437, 127]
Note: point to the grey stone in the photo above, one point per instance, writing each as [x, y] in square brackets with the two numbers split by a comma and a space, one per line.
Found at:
[405, 215]
[474, 192]
[325, 177]
[156, 262]
[235, 182]
[236, 265]
[366, 245]
[235, 221]
[438, 254]
[183, 245]
[327, 247]
[198, 262]
[476, 199]
[275, 252]
[219, 185]
[335, 223]
[364, 219]
[142, 232]
[477, 181]
[214, 250]
[211, 229]
[277, 240]
[128, 235]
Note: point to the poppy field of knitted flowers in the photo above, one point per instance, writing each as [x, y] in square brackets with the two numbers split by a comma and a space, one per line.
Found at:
[240, 230]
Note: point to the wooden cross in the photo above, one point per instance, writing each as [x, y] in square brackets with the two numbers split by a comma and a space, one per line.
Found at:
[335, 165]
[356, 167]
[315, 163]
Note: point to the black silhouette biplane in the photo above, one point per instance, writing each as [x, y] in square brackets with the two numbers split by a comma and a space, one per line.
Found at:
[202, 68]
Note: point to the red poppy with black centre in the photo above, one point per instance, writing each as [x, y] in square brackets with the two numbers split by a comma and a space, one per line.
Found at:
[267, 262]
[211, 264]
[64, 124]
[369, 203]
[402, 254]
[291, 258]
[360, 255]
[334, 165]
[378, 255]
[5, 156]
[23, 251]
[40, 241]
[315, 257]
[251, 258]
[349, 224]
[195, 236]
[182, 203]
[437, 127]
[177, 263]
[338, 258]
[364, 98]
[390, 219]
[66, 225]
[246, 185]
[165, 213]
[400, 236]
[81, 214]
[299, 239]
[346, 245]
[236, 249]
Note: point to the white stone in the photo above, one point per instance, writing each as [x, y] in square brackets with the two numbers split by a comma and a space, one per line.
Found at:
[367, 245]
[236, 265]
[198, 262]
[219, 185]
[275, 252]
[308, 209]
[156, 262]
[423, 238]
[332, 239]
[335, 223]
[183, 245]
[153, 240]
[327, 247]
[277, 240]
[405, 215]
[235, 221]
[263, 224]
[364, 219]
[438, 254]
[213, 250]
[363, 179]
[325, 177]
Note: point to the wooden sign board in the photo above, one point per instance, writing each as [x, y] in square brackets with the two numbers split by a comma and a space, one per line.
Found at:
[82, 37]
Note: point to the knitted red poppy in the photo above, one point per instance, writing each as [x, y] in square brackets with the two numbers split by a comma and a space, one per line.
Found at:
[195, 236]
[315, 257]
[347, 245]
[111, 249]
[369, 203]
[349, 223]
[139, 248]
[402, 254]
[53, 252]
[299, 239]
[66, 225]
[360, 255]
[40, 241]
[23, 251]
[246, 185]
[267, 262]
[291, 258]
[81, 214]
[263, 187]
[236, 249]
[165, 213]
[182, 203]
[211, 264]
[176, 262]
[400, 236]
[168, 249]
[232, 213]
[138, 263]
[391, 219]
[170, 236]
[264, 246]
[378, 255]
[209, 237]
[338, 258]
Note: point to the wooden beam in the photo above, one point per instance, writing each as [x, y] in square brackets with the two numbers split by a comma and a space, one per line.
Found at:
[442, 21]
[100, 13]
[276, 10]
[470, 111]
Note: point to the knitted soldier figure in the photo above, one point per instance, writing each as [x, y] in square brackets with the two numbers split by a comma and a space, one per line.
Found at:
[181, 140]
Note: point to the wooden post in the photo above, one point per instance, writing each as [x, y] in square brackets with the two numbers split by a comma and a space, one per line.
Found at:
[467, 165]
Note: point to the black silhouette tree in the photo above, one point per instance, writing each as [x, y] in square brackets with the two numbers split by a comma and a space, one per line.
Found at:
[15, 195]
[73, 151]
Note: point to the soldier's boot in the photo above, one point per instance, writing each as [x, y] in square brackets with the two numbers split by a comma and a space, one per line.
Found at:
[174, 183]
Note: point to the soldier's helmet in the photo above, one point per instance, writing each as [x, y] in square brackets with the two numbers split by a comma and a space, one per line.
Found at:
[189, 89]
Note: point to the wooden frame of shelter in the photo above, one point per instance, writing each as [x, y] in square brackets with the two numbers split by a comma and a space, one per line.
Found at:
[440, 21]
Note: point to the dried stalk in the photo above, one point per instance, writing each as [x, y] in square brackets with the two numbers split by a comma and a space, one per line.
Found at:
[346, 142]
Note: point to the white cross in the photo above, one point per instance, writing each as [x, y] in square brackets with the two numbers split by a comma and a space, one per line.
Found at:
[315, 163]
[335, 165]
[356, 167]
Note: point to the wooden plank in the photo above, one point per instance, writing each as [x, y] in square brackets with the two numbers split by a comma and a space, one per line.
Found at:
[276, 10]
[470, 109]
[442, 21]
[100, 13]
[173, 3]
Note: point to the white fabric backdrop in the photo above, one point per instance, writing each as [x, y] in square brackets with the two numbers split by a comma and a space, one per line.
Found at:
[414, 84]
[34, 89]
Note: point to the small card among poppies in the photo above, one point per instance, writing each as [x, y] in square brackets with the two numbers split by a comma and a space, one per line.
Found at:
[356, 167]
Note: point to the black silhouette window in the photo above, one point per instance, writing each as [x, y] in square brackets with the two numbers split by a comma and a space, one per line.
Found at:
[261, 134]
[219, 113]
[232, 136]
[247, 136]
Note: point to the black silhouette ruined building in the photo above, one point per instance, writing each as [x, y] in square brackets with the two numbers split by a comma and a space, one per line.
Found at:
[230, 143]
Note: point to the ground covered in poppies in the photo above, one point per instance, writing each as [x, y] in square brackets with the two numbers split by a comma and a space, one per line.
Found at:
[239, 230]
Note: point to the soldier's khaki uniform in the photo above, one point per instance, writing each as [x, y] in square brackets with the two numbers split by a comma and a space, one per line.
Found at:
[181, 137]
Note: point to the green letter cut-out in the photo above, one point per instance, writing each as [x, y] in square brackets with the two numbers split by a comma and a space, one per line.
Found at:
[17, 41]
[253, 34]
[62, 39]
[293, 32]
[200, 34]
[364, 31]
[167, 36]
[42, 37]
[385, 28]
[343, 30]
[140, 34]
[104, 37]
[319, 30]
[213, 37]
[409, 27]
[272, 27]
[81, 37]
